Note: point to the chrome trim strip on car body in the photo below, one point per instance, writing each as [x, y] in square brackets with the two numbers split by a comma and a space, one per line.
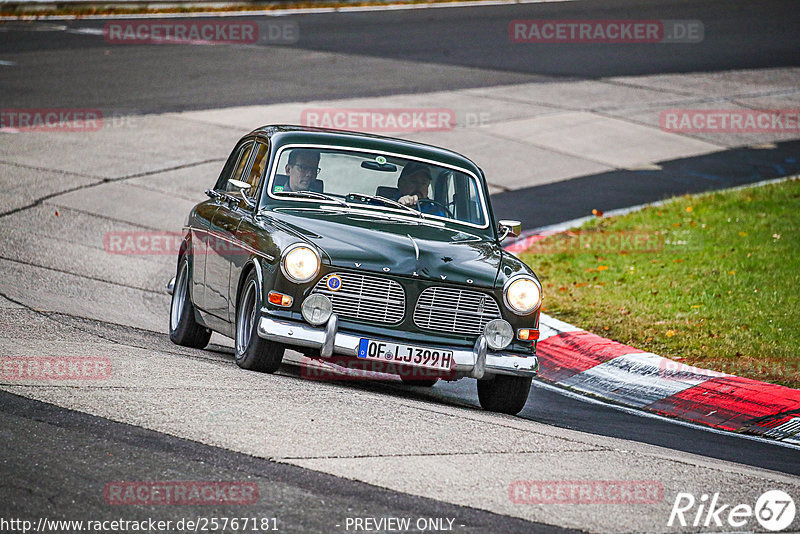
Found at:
[478, 182]
[416, 247]
[259, 273]
[468, 362]
[238, 243]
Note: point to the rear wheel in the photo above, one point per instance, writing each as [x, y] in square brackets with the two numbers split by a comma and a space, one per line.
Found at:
[183, 329]
[252, 352]
[504, 394]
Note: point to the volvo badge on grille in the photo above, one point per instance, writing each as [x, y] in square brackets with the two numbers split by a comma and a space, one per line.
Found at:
[334, 283]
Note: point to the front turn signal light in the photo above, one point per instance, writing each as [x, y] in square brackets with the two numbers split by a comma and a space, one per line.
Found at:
[279, 299]
[527, 334]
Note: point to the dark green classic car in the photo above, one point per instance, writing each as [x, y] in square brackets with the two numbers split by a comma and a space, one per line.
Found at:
[353, 247]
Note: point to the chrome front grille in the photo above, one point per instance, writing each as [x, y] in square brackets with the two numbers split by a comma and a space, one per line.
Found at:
[365, 298]
[459, 311]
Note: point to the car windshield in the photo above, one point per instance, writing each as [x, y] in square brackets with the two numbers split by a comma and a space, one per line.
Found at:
[379, 182]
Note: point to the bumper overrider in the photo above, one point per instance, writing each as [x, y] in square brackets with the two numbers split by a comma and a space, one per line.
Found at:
[479, 362]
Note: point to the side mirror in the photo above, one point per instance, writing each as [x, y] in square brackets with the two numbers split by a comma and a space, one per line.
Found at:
[509, 228]
[242, 187]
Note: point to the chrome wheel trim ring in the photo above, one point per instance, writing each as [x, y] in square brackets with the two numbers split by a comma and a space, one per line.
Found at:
[246, 317]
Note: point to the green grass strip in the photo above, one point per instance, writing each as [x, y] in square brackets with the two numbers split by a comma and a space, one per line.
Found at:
[710, 280]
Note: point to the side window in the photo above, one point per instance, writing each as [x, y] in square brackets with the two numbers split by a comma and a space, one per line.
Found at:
[257, 170]
[241, 165]
[445, 190]
[459, 194]
[234, 166]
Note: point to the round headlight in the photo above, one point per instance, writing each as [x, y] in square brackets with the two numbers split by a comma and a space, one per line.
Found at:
[300, 264]
[523, 295]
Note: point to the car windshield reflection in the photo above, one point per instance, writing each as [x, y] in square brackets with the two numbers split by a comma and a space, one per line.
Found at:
[379, 182]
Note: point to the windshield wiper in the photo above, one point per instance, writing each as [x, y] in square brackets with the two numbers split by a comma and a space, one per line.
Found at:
[391, 202]
[312, 194]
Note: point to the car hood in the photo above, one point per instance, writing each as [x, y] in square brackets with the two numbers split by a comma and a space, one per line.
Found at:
[400, 246]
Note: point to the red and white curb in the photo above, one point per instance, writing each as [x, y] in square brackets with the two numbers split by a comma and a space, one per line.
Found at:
[592, 365]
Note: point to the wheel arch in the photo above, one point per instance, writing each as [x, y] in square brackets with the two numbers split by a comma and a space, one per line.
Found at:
[185, 244]
[252, 265]
[185, 251]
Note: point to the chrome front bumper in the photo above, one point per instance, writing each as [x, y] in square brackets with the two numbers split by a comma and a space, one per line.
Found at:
[476, 363]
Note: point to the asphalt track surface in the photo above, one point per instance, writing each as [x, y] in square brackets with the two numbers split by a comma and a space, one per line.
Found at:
[378, 53]
[464, 47]
[571, 199]
[90, 451]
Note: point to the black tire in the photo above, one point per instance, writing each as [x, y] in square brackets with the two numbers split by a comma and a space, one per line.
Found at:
[183, 329]
[504, 394]
[429, 383]
[252, 352]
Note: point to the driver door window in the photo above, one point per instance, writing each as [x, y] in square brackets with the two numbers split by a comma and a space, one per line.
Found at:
[234, 167]
[256, 173]
[241, 165]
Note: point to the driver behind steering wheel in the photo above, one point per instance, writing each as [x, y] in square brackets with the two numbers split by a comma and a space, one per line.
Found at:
[412, 187]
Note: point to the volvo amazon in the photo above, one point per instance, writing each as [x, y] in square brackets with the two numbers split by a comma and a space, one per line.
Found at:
[354, 247]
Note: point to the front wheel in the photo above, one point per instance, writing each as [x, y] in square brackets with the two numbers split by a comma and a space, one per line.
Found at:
[252, 352]
[183, 329]
[504, 394]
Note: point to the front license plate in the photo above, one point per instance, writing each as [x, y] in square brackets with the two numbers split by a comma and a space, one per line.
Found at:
[385, 351]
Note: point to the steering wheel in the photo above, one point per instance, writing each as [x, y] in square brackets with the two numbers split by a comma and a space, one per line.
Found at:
[438, 205]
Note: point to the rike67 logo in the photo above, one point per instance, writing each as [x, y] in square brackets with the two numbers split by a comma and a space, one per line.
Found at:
[774, 510]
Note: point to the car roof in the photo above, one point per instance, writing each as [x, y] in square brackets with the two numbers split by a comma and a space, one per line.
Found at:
[285, 134]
